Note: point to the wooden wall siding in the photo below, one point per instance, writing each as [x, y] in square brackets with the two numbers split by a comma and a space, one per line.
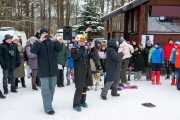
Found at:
[165, 2]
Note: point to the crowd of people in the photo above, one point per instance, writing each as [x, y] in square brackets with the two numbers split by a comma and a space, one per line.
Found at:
[47, 55]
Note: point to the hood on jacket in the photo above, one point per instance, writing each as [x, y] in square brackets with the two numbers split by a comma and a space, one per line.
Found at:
[113, 44]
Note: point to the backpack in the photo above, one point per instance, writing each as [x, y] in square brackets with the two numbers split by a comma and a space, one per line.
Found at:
[25, 54]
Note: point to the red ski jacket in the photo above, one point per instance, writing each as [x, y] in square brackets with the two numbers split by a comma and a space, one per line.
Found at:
[167, 51]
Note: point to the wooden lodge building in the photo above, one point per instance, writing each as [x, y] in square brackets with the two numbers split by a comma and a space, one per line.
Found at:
[147, 19]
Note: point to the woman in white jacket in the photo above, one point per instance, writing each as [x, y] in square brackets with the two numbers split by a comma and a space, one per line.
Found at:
[127, 51]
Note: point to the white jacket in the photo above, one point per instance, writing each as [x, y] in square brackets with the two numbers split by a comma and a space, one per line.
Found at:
[126, 49]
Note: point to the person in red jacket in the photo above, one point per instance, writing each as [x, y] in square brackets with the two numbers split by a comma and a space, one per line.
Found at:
[167, 53]
[177, 65]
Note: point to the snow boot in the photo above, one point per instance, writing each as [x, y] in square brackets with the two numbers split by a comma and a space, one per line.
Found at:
[78, 108]
[84, 104]
[158, 74]
[104, 97]
[173, 82]
[52, 112]
[13, 89]
[68, 83]
[153, 77]
[6, 91]
[114, 92]
[34, 87]
[2, 96]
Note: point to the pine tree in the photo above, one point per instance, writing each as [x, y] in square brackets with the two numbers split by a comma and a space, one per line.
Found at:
[90, 16]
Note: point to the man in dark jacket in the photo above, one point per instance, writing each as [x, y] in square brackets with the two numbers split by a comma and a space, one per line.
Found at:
[46, 48]
[82, 71]
[113, 69]
[10, 60]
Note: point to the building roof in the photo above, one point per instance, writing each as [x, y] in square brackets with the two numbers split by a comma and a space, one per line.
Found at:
[123, 9]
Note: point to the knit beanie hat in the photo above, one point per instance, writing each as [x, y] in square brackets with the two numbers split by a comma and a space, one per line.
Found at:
[157, 43]
[43, 30]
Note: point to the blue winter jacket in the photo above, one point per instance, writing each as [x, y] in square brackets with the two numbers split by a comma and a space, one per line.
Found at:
[173, 56]
[156, 55]
[70, 61]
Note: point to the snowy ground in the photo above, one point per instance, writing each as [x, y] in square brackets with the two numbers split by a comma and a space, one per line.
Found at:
[27, 104]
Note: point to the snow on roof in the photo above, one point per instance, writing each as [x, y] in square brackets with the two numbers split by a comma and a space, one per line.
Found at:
[123, 9]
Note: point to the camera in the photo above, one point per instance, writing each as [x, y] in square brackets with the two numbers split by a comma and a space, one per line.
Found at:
[87, 44]
[11, 52]
[47, 36]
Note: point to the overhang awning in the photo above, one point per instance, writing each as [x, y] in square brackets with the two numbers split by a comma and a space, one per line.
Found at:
[171, 11]
[123, 9]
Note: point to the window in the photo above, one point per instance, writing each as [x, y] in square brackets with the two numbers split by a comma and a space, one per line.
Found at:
[162, 23]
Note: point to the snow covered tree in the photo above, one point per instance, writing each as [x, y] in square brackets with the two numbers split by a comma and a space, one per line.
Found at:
[89, 20]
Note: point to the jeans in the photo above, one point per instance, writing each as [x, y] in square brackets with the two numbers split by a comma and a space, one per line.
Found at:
[6, 73]
[47, 90]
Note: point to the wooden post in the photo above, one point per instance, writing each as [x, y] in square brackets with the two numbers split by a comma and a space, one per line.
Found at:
[141, 22]
[110, 28]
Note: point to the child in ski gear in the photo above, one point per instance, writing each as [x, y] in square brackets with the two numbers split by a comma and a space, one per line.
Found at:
[172, 62]
[103, 49]
[156, 58]
[70, 65]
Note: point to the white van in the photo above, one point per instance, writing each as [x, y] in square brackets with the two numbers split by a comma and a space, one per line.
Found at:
[60, 32]
[11, 31]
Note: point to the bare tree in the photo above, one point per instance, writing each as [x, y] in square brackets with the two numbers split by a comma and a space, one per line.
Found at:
[61, 13]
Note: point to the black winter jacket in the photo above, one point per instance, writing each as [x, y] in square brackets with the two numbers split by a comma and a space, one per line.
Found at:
[82, 67]
[47, 59]
[113, 64]
[9, 60]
